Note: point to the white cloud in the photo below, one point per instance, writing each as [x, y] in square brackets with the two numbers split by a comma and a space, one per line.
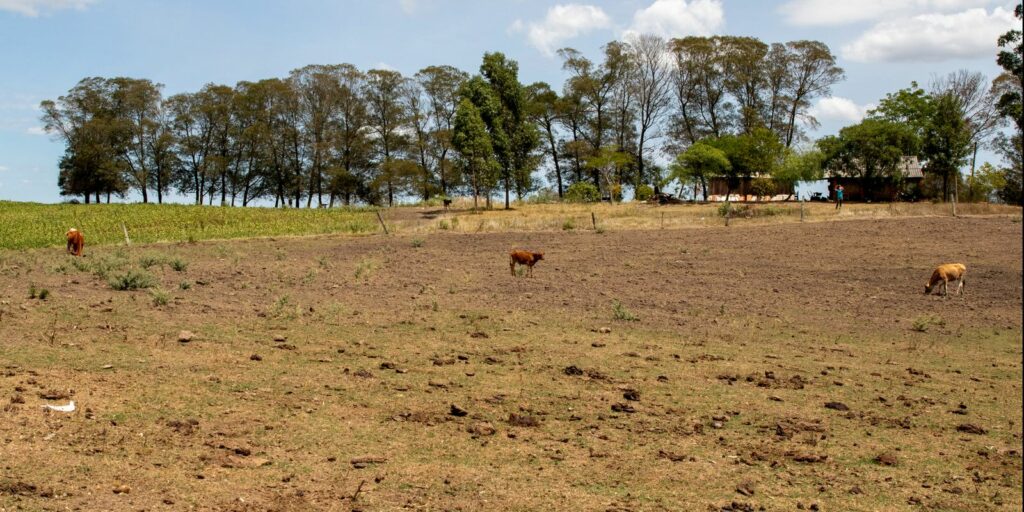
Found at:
[35, 130]
[932, 37]
[831, 12]
[562, 22]
[677, 18]
[3, 168]
[839, 109]
[33, 8]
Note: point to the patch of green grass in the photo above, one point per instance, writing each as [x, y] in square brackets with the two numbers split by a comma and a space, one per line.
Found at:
[619, 312]
[417, 242]
[185, 285]
[924, 322]
[131, 280]
[569, 225]
[365, 267]
[160, 297]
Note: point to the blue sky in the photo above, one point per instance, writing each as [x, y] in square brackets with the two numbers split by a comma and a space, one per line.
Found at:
[46, 46]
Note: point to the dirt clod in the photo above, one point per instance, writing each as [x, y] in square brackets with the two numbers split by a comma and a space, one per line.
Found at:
[457, 411]
[185, 336]
[971, 428]
[887, 459]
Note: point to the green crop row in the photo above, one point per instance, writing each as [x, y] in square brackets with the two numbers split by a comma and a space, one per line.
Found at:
[32, 225]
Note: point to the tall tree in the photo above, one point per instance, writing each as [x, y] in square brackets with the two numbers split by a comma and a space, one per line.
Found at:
[137, 109]
[471, 139]
[947, 140]
[746, 79]
[85, 120]
[513, 136]
[441, 85]
[384, 91]
[700, 162]
[704, 109]
[814, 71]
[652, 88]
[545, 110]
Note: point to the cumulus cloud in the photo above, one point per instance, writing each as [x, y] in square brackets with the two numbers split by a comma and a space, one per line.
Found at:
[932, 37]
[677, 18]
[835, 108]
[562, 22]
[831, 12]
[33, 8]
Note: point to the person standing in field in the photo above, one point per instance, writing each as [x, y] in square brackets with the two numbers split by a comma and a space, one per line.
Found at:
[839, 196]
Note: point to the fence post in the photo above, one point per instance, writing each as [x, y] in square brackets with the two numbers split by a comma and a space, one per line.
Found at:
[381, 219]
[593, 220]
[127, 241]
[728, 212]
[801, 210]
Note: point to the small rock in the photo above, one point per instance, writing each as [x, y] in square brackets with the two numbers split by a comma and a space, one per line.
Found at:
[632, 395]
[387, 365]
[605, 330]
[457, 411]
[185, 336]
[856, 490]
[280, 338]
[623, 408]
[122, 489]
[717, 424]
[255, 357]
[837, 406]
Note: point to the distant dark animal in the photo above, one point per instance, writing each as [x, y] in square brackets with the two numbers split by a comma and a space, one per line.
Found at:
[447, 203]
[76, 242]
[945, 274]
[524, 258]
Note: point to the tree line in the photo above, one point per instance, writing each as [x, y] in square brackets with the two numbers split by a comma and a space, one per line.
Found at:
[723, 106]
[333, 134]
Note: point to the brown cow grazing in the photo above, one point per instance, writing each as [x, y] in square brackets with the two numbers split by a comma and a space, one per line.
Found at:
[524, 258]
[945, 274]
[76, 242]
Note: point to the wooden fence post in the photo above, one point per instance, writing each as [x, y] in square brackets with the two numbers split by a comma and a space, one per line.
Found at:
[381, 219]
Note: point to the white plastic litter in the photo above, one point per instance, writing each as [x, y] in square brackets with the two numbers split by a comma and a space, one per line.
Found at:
[70, 407]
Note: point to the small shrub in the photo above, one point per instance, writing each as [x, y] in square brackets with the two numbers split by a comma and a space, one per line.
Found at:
[131, 280]
[724, 209]
[582, 192]
[763, 187]
[150, 260]
[569, 225]
[619, 312]
[417, 242]
[599, 230]
[443, 225]
[43, 294]
[61, 269]
[160, 297]
[179, 265]
[643, 193]
[184, 285]
[32, 292]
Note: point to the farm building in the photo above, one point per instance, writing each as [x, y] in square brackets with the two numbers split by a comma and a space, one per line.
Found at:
[880, 189]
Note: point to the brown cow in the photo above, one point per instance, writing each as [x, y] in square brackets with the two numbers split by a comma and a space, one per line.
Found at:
[76, 242]
[945, 274]
[524, 258]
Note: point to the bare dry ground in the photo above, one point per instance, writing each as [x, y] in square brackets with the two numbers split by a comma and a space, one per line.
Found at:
[773, 367]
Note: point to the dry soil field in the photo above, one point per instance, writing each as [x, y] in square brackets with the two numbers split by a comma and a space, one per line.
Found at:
[755, 367]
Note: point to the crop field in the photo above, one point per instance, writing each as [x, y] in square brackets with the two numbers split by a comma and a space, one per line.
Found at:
[649, 364]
